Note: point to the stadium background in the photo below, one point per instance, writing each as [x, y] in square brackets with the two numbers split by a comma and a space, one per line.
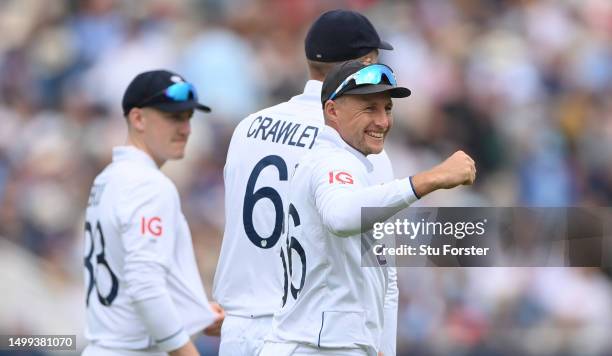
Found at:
[525, 87]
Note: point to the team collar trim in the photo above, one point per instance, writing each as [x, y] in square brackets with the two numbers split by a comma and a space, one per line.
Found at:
[330, 134]
[131, 153]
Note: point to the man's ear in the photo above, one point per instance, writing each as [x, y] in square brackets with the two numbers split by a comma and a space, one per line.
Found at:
[136, 119]
[331, 111]
[370, 58]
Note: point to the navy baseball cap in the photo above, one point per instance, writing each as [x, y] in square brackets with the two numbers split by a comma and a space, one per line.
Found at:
[341, 35]
[354, 77]
[162, 90]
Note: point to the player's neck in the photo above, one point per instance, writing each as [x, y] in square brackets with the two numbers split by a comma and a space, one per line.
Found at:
[135, 142]
[316, 77]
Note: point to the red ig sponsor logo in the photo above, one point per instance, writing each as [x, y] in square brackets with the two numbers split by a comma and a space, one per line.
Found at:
[340, 177]
[152, 225]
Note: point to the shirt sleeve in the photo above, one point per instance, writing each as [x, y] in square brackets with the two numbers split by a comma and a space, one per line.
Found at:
[340, 189]
[148, 213]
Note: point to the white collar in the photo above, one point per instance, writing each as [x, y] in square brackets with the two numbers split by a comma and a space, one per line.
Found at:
[330, 135]
[311, 94]
[131, 153]
[313, 87]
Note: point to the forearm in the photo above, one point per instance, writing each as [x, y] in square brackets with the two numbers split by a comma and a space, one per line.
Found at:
[425, 183]
[458, 169]
[340, 209]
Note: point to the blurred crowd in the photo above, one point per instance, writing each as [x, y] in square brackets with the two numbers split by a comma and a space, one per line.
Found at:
[524, 87]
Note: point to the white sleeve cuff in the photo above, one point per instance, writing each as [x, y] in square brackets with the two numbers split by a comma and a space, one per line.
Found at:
[408, 194]
[160, 317]
[173, 342]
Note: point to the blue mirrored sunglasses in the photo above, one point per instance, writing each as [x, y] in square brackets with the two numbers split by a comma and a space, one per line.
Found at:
[371, 74]
[181, 91]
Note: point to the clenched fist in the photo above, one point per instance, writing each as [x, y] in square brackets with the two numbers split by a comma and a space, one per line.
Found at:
[458, 169]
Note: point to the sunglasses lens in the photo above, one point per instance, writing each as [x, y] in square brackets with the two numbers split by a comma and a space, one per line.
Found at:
[369, 75]
[181, 92]
[373, 75]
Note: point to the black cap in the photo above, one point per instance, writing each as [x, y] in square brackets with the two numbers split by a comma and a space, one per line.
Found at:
[147, 90]
[341, 71]
[340, 35]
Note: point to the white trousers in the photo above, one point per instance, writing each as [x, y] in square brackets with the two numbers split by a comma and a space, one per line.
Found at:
[94, 350]
[243, 336]
[294, 349]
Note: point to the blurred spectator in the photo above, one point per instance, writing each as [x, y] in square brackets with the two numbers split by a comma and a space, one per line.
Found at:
[525, 87]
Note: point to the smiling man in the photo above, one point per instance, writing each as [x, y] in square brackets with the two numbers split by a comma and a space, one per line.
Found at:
[264, 149]
[331, 305]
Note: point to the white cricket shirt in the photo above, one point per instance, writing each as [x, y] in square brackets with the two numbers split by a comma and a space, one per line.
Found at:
[331, 301]
[143, 286]
[263, 152]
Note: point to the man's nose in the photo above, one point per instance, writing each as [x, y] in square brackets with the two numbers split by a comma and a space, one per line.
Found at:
[383, 119]
[185, 127]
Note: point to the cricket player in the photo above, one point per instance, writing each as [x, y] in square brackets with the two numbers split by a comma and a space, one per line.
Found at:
[264, 150]
[333, 306]
[144, 292]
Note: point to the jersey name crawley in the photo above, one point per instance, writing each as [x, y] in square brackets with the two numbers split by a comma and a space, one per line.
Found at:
[284, 132]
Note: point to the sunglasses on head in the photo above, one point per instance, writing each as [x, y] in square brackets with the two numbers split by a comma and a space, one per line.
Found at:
[181, 91]
[372, 74]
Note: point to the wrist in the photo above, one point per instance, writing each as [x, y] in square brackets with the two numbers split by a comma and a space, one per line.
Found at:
[424, 183]
[412, 187]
